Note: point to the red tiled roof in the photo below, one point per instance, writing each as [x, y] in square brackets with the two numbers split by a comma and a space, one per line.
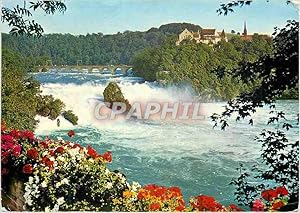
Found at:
[208, 31]
[247, 37]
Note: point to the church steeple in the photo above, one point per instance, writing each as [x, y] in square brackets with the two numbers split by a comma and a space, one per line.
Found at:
[223, 35]
[245, 29]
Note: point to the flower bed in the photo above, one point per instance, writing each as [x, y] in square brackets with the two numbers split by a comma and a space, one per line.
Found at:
[57, 175]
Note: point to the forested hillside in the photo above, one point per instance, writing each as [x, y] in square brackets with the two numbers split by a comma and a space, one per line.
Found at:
[93, 48]
[209, 69]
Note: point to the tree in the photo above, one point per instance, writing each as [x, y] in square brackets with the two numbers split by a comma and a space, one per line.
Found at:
[208, 68]
[21, 95]
[50, 107]
[18, 17]
[228, 7]
[19, 92]
[278, 72]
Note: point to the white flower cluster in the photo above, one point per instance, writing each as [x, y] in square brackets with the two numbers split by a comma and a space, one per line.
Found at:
[59, 202]
[135, 186]
[60, 162]
[62, 182]
[31, 190]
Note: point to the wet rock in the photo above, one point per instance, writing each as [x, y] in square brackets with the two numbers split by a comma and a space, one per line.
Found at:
[112, 93]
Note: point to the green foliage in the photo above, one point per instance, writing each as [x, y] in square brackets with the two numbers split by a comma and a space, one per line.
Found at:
[280, 162]
[93, 48]
[175, 28]
[207, 68]
[147, 62]
[21, 95]
[70, 116]
[19, 92]
[50, 107]
[228, 7]
[18, 18]
[112, 93]
[279, 74]
[290, 93]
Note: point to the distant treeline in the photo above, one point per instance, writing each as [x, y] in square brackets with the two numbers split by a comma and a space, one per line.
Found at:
[154, 56]
[93, 48]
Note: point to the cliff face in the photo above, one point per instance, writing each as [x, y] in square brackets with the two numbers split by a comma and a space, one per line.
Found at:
[112, 93]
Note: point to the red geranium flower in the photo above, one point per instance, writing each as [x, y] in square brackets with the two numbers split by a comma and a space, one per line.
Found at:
[33, 153]
[51, 152]
[154, 206]
[4, 171]
[7, 145]
[44, 144]
[277, 205]
[17, 150]
[77, 145]
[175, 191]
[47, 161]
[27, 169]
[235, 208]
[150, 187]
[141, 195]
[44, 160]
[107, 156]
[181, 202]
[26, 134]
[4, 157]
[158, 191]
[6, 139]
[206, 203]
[282, 191]
[258, 206]
[15, 134]
[180, 208]
[71, 133]
[92, 152]
[59, 149]
[269, 195]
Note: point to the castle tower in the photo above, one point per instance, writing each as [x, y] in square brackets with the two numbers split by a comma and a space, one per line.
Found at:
[223, 35]
[245, 29]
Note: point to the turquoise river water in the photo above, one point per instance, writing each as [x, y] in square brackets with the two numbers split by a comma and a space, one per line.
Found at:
[191, 155]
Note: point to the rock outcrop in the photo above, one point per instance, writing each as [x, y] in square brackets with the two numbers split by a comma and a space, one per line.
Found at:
[112, 93]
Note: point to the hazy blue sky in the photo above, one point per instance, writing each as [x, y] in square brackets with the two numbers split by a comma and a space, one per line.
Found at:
[112, 16]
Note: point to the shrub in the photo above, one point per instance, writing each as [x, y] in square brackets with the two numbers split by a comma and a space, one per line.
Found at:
[70, 116]
[59, 175]
[50, 107]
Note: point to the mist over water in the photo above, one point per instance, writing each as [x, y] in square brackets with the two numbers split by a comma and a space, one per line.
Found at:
[193, 156]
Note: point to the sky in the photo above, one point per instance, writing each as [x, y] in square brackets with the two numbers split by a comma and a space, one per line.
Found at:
[112, 16]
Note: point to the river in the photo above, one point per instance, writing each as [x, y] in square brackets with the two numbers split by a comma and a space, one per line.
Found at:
[193, 156]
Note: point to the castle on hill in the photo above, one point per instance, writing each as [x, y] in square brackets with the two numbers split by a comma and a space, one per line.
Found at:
[206, 36]
[211, 36]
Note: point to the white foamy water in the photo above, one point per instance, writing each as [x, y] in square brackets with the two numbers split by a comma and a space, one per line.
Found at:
[81, 99]
[194, 156]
